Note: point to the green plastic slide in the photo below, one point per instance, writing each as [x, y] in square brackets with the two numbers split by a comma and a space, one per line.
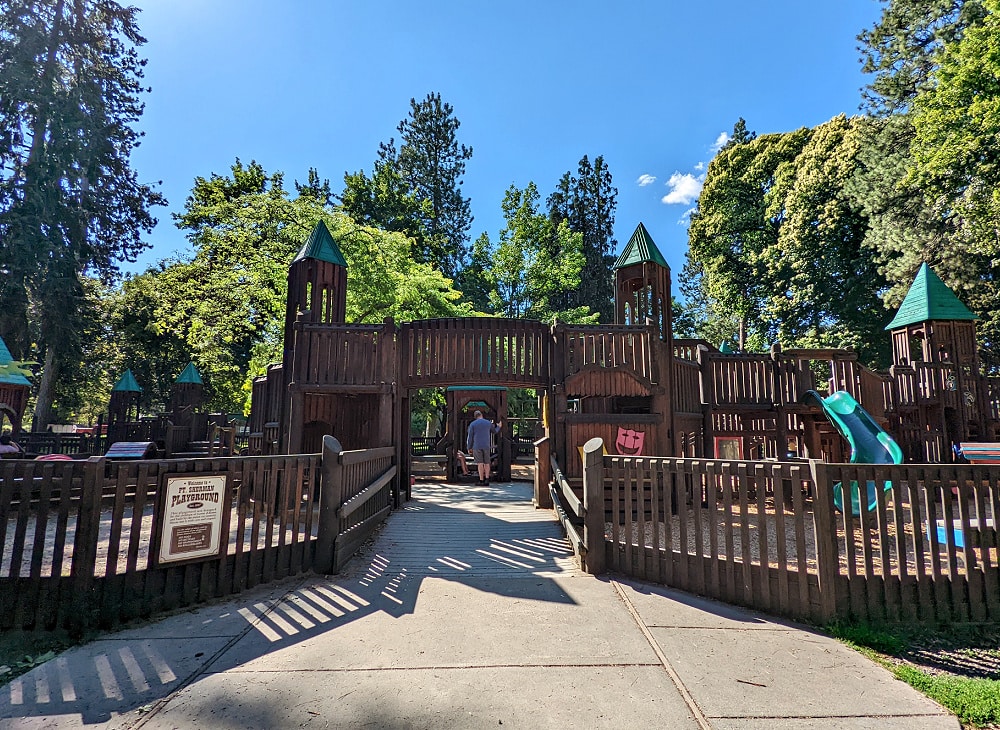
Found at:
[870, 444]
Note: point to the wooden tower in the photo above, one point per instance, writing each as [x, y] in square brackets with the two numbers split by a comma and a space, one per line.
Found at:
[642, 285]
[317, 287]
[642, 297]
[936, 359]
[14, 388]
[187, 395]
[124, 407]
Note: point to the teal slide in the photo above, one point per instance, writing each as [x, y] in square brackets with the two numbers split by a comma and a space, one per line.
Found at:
[870, 444]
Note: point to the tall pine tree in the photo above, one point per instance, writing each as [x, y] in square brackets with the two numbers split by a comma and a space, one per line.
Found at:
[70, 203]
[432, 163]
[586, 202]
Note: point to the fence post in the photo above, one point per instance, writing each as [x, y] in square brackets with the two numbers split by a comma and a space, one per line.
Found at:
[331, 493]
[825, 535]
[543, 473]
[593, 505]
[84, 563]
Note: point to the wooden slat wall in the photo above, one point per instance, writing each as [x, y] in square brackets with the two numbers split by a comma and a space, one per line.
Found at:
[686, 387]
[330, 354]
[766, 535]
[619, 347]
[482, 350]
[78, 537]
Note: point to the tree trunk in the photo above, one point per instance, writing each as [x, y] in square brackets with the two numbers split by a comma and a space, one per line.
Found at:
[46, 391]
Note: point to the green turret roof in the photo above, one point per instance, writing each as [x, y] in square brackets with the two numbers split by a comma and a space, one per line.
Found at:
[322, 247]
[6, 359]
[126, 384]
[929, 299]
[726, 349]
[640, 248]
[189, 375]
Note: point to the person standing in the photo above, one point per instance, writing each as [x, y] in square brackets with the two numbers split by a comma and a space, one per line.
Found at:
[478, 442]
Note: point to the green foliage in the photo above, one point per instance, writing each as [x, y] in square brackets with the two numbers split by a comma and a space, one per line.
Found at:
[735, 224]
[224, 308]
[432, 163]
[70, 82]
[777, 245]
[975, 700]
[956, 162]
[587, 204]
[521, 273]
[901, 50]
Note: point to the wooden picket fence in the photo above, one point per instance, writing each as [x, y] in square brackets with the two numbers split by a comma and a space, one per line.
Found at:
[773, 535]
[78, 539]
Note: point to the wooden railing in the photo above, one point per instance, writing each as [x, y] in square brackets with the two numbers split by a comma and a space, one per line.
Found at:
[686, 387]
[483, 350]
[739, 380]
[344, 355]
[62, 443]
[771, 535]
[688, 349]
[622, 348]
[358, 495]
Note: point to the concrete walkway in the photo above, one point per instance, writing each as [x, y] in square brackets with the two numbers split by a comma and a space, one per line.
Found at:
[466, 612]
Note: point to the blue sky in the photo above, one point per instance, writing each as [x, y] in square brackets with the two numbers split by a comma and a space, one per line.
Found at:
[651, 85]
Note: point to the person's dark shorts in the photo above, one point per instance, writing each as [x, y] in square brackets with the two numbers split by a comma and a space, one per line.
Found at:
[481, 456]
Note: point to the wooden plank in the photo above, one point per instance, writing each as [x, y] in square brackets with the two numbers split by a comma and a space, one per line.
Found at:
[890, 586]
[640, 518]
[931, 499]
[729, 482]
[780, 481]
[744, 519]
[991, 586]
[762, 542]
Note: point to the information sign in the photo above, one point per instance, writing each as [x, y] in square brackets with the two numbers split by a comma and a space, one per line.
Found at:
[192, 516]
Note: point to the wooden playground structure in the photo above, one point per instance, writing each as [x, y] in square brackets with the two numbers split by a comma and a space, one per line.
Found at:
[631, 383]
[665, 459]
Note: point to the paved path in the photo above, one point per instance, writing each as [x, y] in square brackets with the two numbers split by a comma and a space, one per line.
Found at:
[466, 612]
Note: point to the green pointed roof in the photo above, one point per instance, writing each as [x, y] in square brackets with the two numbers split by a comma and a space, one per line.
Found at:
[929, 299]
[189, 375]
[726, 349]
[126, 384]
[6, 359]
[640, 248]
[321, 247]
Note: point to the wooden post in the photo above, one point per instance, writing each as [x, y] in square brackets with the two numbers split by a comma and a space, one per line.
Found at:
[543, 473]
[593, 505]
[331, 490]
[85, 546]
[825, 534]
[707, 403]
[781, 414]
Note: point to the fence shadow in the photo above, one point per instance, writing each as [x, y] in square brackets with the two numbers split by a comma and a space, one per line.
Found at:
[131, 670]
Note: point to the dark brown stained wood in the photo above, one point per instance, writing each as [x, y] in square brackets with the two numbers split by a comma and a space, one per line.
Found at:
[730, 485]
[762, 542]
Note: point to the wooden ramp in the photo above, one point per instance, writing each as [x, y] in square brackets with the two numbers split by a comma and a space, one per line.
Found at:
[463, 530]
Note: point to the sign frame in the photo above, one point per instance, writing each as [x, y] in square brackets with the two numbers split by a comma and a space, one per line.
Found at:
[203, 533]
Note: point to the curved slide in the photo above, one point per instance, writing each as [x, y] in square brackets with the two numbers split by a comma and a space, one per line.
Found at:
[870, 444]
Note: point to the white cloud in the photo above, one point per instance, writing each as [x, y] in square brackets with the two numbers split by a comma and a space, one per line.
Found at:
[699, 167]
[684, 189]
[720, 142]
[645, 180]
[686, 218]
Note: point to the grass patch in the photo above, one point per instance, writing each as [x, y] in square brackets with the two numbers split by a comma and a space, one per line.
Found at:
[957, 667]
[22, 651]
